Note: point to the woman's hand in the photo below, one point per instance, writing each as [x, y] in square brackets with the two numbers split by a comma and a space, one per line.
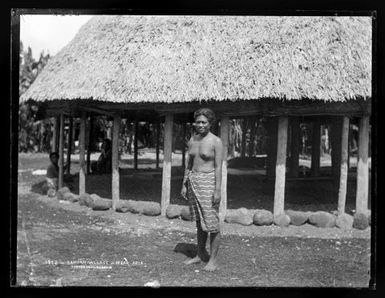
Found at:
[216, 198]
[184, 192]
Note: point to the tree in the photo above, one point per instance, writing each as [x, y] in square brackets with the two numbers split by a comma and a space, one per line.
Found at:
[33, 134]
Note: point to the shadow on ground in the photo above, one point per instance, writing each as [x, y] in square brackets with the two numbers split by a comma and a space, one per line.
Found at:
[188, 249]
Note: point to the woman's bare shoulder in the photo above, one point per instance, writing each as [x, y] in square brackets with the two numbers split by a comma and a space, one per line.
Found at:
[215, 138]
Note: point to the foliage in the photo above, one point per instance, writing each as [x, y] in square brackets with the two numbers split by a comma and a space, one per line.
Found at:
[34, 135]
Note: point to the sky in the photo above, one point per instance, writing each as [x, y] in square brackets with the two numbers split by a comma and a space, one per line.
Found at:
[49, 32]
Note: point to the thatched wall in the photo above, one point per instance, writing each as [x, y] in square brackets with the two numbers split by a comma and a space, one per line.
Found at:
[197, 58]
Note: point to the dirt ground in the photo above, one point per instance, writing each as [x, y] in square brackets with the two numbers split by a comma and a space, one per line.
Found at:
[65, 244]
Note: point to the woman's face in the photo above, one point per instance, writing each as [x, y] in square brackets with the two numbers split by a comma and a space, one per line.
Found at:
[202, 125]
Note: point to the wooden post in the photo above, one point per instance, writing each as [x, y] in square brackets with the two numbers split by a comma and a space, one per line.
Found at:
[115, 161]
[130, 133]
[57, 133]
[82, 142]
[54, 135]
[336, 147]
[280, 168]
[253, 131]
[244, 132]
[167, 158]
[295, 146]
[184, 146]
[136, 144]
[316, 148]
[343, 166]
[272, 146]
[363, 166]
[327, 143]
[61, 151]
[90, 140]
[288, 145]
[157, 142]
[225, 143]
[40, 144]
[173, 142]
[349, 151]
[69, 147]
[73, 134]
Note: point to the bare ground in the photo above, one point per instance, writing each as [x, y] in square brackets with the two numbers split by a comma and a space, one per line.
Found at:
[55, 239]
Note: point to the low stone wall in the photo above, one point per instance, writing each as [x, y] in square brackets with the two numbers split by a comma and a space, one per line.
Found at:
[242, 216]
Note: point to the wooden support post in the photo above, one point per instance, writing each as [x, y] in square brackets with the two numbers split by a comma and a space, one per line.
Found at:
[184, 146]
[115, 161]
[82, 142]
[69, 147]
[363, 166]
[167, 158]
[271, 126]
[316, 148]
[244, 132]
[225, 142]
[295, 146]
[173, 142]
[280, 168]
[40, 143]
[128, 128]
[136, 144]
[253, 132]
[343, 166]
[157, 142]
[90, 141]
[288, 142]
[327, 141]
[73, 135]
[336, 147]
[57, 133]
[54, 135]
[349, 140]
[61, 151]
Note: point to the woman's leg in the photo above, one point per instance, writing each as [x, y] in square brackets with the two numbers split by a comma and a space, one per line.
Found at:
[215, 239]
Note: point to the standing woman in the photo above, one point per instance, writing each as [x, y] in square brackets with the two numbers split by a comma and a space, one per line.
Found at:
[202, 185]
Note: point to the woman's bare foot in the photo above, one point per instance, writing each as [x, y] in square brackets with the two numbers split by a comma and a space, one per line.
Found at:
[211, 266]
[193, 261]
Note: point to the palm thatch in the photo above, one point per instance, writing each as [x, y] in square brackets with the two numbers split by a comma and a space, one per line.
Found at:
[132, 59]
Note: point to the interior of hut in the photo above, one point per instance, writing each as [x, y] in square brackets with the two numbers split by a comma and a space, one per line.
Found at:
[312, 164]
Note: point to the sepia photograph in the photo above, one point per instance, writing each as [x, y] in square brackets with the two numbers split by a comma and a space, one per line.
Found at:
[194, 150]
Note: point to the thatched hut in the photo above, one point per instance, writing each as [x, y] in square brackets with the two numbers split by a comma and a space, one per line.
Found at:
[283, 67]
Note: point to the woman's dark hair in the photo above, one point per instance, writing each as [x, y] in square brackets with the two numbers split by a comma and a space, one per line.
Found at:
[54, 154]
[208, 113]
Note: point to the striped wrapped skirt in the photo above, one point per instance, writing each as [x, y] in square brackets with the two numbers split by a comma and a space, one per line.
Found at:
[200, 192]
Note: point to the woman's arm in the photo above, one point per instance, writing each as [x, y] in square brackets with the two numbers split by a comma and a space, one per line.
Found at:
[218, 148]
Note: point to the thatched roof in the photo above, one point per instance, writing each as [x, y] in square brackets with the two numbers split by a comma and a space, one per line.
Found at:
[130, 59]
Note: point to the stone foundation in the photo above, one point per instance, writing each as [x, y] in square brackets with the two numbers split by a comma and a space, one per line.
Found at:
[243, 216]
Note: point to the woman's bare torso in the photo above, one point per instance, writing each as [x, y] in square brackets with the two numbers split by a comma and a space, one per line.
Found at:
[202, 153]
